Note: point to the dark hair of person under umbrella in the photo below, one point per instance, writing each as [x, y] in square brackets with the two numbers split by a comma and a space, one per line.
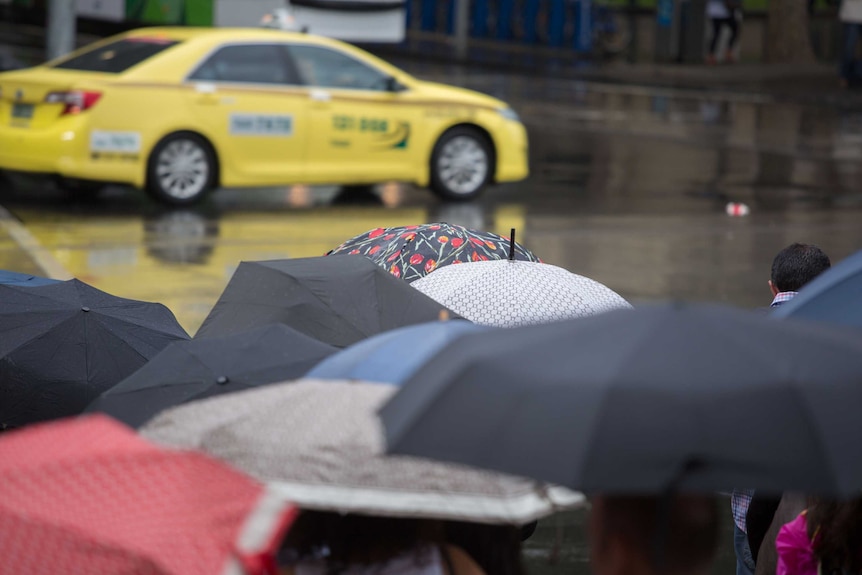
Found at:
[796, 265]
[837, 528]
[676, 535]
[345, 540]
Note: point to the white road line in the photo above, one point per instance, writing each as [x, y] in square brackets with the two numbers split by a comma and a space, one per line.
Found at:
[50, 266]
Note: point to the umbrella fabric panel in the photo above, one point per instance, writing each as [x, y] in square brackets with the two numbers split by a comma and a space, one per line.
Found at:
[24, 280]
[127, 506]
[320, 444]
[834, 296]
[63, 344]
[412, 252]
[629, 399]
[392, 356]
[75, 295]
[260, 294]
[510, 294]
[335, 300]
[199, 368]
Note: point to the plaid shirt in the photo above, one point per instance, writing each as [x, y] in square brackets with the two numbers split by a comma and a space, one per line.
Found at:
[739, 502]
[782, 297]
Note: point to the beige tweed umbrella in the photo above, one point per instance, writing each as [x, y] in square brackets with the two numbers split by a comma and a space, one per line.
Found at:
[320, 444]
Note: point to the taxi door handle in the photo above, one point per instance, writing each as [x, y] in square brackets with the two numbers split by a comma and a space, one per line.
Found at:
[207, 93]
[320, 95]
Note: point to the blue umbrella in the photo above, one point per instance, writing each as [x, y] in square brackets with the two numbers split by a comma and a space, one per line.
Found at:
[835, 296]
[393, 356]
[26, 280]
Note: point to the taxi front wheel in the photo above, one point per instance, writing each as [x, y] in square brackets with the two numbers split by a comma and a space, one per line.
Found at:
[181, 169]
[461, 164]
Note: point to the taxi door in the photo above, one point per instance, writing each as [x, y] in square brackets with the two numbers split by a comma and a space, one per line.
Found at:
[361, 130]
[247, 95]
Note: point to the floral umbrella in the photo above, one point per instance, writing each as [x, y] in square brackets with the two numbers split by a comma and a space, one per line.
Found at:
[412, 252]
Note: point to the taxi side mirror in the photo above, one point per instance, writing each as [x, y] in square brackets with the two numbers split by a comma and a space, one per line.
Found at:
[393, 85]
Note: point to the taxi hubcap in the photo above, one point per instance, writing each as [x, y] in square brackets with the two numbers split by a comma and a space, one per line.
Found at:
[463, 165]
[182, 169]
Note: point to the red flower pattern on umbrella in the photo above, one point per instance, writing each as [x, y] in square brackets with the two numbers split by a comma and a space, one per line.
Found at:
[407, 251]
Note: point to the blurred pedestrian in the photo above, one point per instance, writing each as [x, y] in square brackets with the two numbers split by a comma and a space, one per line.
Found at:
[792, 268]
[850, 15]
[640, 535]
[824, 539]
[322, 543]
[723, 13]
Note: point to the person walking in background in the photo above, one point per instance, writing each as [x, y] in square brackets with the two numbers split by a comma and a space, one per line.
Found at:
[850, 15]
[723, 13]
[792, 268]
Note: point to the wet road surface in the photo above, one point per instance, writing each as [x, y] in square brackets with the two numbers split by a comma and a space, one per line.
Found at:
[628, 186]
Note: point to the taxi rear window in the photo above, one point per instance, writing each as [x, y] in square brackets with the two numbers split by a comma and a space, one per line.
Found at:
[118, 56]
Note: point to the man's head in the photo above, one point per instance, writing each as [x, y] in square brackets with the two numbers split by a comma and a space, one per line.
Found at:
[795, 266]
[631, 535]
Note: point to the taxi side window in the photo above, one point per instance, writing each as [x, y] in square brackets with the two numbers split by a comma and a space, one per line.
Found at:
[327, 68]
[251, 63]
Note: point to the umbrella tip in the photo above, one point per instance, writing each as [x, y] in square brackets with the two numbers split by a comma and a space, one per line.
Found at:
[85, 308]
[512, 245]
[444, 315]
[222, 380]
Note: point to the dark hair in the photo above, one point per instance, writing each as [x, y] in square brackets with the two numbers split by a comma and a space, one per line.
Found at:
[836, 529]
[682, 536]
[495, 548]
[353, 539]
[796, 265]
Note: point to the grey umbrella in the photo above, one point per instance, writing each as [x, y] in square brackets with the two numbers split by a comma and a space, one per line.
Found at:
[835, 296]
[630, 401]
[319, 444]
[338, 301]
[194, 369]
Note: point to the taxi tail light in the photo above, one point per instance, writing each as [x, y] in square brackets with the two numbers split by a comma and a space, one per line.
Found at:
[75, 102]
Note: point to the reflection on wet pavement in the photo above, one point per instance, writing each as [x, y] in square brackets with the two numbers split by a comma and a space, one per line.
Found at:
[629, 186]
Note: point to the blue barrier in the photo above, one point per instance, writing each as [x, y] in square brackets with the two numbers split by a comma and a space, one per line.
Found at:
[504, 19]
[555, 23]
[582, 36]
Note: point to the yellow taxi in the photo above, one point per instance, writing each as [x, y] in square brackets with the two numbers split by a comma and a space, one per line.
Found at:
[181, 111]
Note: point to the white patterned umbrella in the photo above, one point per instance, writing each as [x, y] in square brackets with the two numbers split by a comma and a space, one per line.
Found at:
[320, 444]
[507, 293]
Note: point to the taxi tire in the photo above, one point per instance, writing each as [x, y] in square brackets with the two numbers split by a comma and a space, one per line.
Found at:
[438, 186]
[153, 186]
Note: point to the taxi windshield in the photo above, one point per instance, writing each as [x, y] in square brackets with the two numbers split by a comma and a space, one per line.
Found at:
[117, 57]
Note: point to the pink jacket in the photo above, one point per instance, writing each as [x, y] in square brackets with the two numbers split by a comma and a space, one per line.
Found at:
[795, 549]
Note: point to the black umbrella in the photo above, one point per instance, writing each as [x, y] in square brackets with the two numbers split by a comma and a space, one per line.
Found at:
[190, 370]
[835, 296]
[63, 344]
[630, 401]
[335, 300]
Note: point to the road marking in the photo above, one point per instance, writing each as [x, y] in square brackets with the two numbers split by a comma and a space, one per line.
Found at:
[49, 265]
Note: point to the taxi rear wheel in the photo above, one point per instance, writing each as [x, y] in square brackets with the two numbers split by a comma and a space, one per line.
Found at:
[181, 169]
[461, 164]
